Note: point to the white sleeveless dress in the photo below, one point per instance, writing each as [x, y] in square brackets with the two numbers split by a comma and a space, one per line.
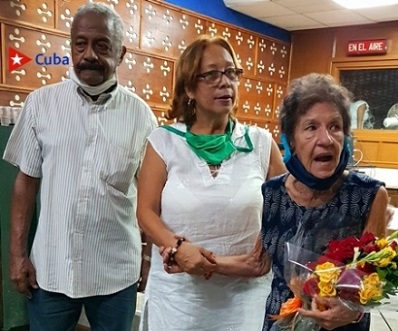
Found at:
[222, 214]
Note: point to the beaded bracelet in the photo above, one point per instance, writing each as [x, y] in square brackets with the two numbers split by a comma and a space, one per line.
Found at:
[146, 258]
[174, 251]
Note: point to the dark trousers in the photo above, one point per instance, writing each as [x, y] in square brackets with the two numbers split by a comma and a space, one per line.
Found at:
[49, 311]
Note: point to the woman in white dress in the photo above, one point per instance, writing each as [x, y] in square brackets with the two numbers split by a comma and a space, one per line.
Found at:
[199, 196]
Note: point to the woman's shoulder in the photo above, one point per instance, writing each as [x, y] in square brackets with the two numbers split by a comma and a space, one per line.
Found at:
[274, 183]
[358, 179]
[254, 130]
[163, 130]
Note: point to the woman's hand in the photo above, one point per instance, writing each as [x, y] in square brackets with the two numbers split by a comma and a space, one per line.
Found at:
[259, 259]
[334, 313]
[254, 264]
[189, 258]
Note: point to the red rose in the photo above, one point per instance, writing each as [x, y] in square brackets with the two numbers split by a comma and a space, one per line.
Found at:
[342, 250]
[311, 286]
[367, 238]
[393, 245]
[367, 268]
[369, 248]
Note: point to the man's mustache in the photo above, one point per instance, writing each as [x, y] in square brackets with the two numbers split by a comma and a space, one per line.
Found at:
[89, 66]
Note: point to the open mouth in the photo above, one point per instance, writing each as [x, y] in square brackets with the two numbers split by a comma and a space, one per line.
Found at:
[324, 158]
[225, 97]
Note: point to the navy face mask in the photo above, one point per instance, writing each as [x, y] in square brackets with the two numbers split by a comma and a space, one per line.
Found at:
[297, 169]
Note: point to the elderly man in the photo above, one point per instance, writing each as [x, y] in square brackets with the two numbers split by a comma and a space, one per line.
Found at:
[81, 142]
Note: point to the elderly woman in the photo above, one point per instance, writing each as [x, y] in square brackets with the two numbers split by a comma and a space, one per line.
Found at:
[199, 192]
[317, 200]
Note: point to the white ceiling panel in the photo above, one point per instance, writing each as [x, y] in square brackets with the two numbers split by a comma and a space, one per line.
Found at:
[265, 11]
[293, 22]
[337, 17]
[317, 7]
[295, 3]
[380, 14]
[310, 14]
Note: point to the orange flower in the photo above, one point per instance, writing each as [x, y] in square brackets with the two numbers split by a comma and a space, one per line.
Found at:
[291, 306]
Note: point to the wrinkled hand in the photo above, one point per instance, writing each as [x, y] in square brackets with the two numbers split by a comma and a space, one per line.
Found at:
[259, 259]
[23, 275]
[333, 315]
[189, 258]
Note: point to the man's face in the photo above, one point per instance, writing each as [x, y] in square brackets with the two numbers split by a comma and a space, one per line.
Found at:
[94, 54]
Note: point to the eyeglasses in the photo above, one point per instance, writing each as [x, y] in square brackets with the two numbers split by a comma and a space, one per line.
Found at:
[214, 76]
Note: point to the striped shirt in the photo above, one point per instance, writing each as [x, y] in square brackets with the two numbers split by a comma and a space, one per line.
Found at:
[87, 155]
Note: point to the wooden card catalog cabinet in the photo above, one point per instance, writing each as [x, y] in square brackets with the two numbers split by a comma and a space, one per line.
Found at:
[128, 10]
[280, 91]
[160, 115]
[243, 43]
[166, 31]
[40, 13]
[273, 60]
[156, 35]
[12, 98]
[150, 77]
[256, 99]
[50, 57]
[274, 129]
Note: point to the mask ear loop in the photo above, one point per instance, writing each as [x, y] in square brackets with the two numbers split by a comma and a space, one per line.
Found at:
[287, 152]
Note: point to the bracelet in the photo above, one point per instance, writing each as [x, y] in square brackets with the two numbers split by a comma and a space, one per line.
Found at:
[174, 251]
[146, 258]
[358, 319]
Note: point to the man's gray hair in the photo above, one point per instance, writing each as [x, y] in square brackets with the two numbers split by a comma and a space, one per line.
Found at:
[112, 17]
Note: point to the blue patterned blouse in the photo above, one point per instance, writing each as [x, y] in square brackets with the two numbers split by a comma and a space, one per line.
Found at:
[311, 228]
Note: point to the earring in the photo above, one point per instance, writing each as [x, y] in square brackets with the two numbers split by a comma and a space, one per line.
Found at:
[191, 103]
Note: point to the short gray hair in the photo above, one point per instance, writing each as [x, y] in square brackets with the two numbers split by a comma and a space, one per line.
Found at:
[110, 14]
[308, 90]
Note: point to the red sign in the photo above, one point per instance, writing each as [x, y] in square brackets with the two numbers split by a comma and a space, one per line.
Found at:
[16, 59]
[367, 47]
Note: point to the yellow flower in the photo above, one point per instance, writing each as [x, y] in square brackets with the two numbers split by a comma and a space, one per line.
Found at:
[372, 288]
[327, 272]
[381, 258]
[327, 289]
[388, 256]
[372, 279]
[368, 293]
[382, 242]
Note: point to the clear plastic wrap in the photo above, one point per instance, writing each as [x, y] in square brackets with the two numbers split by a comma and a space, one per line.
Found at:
[360, 272]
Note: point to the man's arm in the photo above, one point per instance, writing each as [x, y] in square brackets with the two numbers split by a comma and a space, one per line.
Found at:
[22, 272]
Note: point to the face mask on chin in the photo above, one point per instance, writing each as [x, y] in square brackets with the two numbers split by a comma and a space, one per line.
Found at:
[93, 90]
[297, 169]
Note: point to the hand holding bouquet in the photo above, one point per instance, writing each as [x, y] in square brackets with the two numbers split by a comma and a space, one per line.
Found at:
[358, 271]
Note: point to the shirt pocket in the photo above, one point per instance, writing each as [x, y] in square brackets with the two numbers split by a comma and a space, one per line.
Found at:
[117, 167]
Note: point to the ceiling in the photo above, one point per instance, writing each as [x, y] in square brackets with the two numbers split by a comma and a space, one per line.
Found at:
[310, 14]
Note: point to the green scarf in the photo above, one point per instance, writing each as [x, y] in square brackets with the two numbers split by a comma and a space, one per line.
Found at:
[213, 148]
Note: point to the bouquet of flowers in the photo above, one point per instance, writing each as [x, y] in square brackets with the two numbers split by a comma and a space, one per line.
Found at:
[359, 271]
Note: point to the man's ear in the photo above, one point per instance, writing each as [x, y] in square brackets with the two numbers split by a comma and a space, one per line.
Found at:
[122, 54]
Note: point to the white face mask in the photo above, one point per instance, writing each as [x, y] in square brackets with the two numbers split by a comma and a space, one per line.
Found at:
[93, 90]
